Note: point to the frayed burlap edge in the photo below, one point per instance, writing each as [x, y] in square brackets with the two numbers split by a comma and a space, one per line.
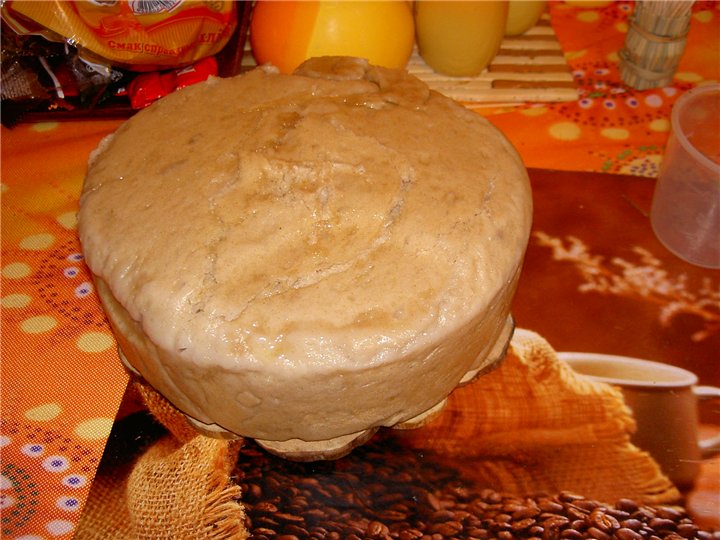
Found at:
[180, 487]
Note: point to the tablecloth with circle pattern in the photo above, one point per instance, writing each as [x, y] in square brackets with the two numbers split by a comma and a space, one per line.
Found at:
[61, 379]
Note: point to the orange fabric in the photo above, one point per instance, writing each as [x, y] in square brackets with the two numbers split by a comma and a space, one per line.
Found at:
[61, 379]
[612, 127]
[62, 382]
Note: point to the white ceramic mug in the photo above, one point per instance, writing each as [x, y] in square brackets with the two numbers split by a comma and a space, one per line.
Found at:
[664, 401]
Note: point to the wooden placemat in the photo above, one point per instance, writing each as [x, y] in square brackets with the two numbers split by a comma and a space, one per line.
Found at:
[527, 68]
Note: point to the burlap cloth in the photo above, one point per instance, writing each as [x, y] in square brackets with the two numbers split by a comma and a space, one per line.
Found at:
[535, 424]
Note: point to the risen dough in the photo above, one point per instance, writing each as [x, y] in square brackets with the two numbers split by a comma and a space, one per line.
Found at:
[306, 256]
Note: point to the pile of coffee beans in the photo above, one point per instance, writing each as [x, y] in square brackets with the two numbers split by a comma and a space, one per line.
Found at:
[383, 491]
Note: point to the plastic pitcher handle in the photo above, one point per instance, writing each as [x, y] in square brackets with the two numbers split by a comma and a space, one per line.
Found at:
[711, 446]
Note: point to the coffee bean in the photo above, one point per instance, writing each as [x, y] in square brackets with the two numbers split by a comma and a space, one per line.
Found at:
[550, 506]
[632, 523]
[265, 507]
[442, 515]
[617, 513]
[555, 522]
[624, 533]
[410, 534]
[447, 528]
[524, 512]
[662, 524]
[474, 532]
[290, 518]
[628, 505]
[264, 531]
[585, 504]
[295, 530]
[522, 524]
[392, 515]
[602, 520]
[573, 512]
[571, 534]
[376, 493]
[375, 529]
[594, 532]
[687, 530]
[567, 496]
[668, 512]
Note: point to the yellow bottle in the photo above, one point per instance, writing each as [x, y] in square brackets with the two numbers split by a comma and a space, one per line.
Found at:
[522, 16]
[459, 38]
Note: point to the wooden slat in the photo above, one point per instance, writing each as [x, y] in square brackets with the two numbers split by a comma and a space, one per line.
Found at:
[527, 68]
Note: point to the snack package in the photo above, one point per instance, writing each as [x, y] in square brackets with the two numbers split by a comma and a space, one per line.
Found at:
[142, 35]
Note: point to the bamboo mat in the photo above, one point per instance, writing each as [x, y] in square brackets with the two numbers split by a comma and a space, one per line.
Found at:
[527, 68]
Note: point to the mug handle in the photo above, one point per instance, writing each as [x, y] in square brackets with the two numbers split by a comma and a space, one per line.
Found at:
[711, 446]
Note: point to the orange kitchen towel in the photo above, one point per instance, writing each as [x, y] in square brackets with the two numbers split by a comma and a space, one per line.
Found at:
[530, 426]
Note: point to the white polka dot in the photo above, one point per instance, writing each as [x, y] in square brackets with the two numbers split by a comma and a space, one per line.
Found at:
[653, 100]
[535, 110]
[94, 342]
[74, 480]
[5, 482]
[56, 464]
[71, 271]
[94, 429]
[84, 289]
[43, 412]
[69, 504]
[37, 242]
[16, 300]
[33, 449]
[68, 220]
[16, 270]
[669, 91]
[38, 324]
[660, 125]
[615, 134]
[6, 501]
[565, 131]
[59, 527]
[75, 257]
[4, 440]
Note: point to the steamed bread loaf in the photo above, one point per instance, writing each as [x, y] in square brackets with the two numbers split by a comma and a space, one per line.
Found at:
[303, 258]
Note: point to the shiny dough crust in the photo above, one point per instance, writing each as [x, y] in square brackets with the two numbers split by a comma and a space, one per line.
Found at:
[305, 257]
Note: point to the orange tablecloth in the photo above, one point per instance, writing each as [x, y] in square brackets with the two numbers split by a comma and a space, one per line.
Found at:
[62, 382]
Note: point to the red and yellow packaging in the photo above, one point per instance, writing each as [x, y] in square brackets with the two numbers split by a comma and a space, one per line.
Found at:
[137, 34]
